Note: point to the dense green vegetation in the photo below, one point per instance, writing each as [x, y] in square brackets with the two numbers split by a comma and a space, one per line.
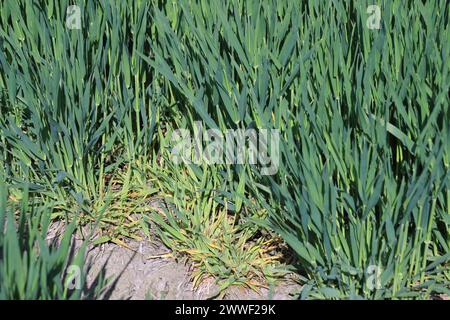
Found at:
[362, 184]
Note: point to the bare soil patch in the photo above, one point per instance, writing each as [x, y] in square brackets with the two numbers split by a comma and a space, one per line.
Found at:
[146, 270]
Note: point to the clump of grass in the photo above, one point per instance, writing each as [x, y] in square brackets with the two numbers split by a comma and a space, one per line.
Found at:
[198, 221]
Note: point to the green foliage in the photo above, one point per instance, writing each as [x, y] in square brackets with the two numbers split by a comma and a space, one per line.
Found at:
[363, 178]
[30, 267]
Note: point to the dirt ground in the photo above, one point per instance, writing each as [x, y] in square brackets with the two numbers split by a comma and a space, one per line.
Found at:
[146, 270]
[134, 276]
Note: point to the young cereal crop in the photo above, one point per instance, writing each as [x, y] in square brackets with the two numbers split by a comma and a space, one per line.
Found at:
[96, 99]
